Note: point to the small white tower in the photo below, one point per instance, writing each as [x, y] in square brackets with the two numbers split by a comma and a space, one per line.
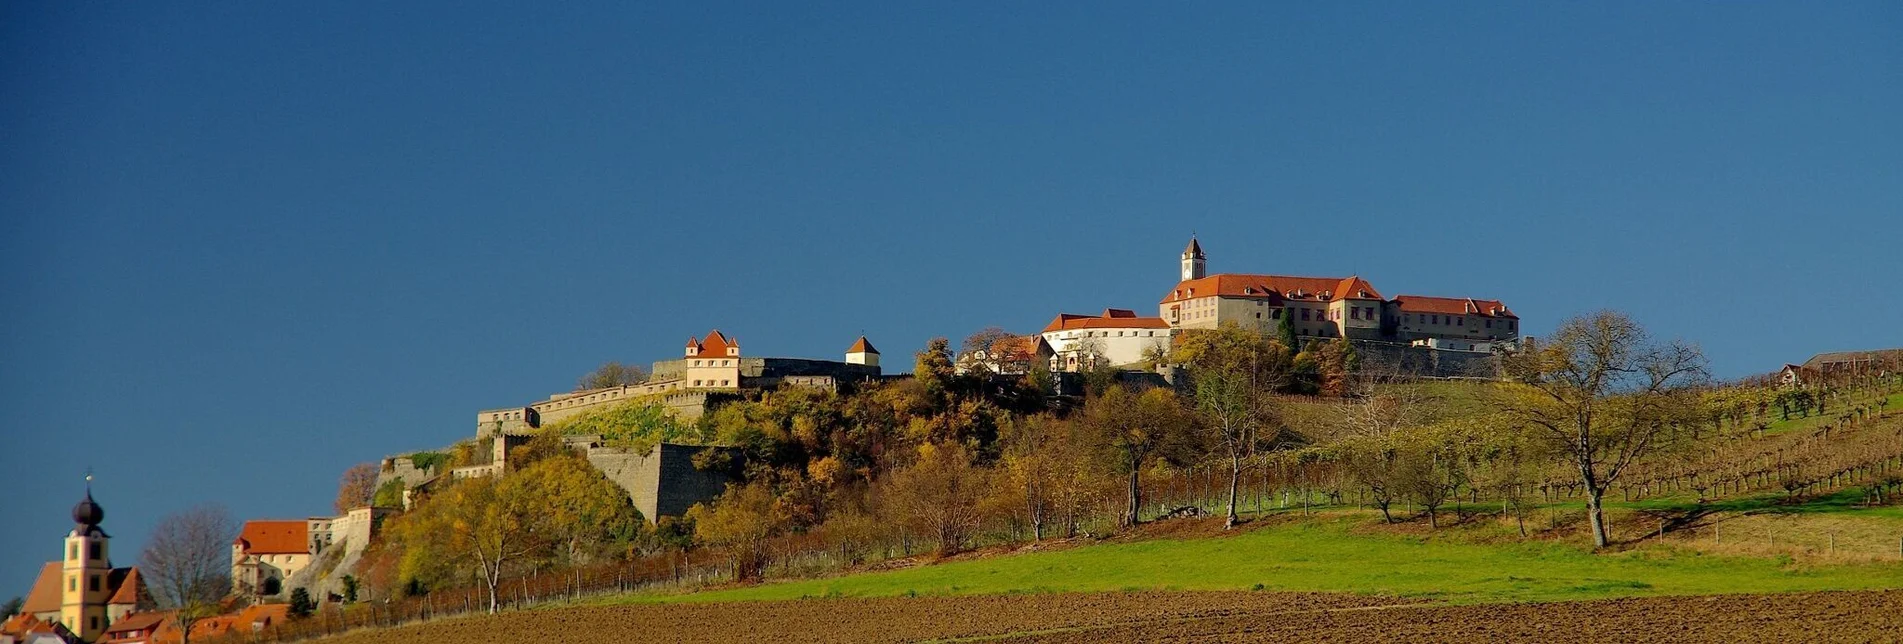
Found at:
[1193, 260]
[862, 352]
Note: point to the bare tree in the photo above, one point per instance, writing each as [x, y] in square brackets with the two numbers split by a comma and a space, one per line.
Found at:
[1235, 372]
[612, 374]
[1604, 392]
[187, 563]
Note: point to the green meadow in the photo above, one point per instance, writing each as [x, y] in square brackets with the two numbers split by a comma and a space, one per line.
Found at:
[1339, 554]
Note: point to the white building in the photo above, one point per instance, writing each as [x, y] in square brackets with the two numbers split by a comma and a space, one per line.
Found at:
[1116, 338]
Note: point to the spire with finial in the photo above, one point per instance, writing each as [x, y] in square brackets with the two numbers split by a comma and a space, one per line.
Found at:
[87, 513]
[1193, 260]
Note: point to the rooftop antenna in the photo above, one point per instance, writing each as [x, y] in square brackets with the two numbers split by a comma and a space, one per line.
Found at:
[89, 480]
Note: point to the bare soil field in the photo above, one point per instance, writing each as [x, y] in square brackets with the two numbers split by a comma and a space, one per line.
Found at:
[1185, 616]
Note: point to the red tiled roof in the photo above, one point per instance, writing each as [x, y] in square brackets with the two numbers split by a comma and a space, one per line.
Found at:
[19, 624]
[1111, 319]
[1454, 306]
[275, 538]
[715, 345]
[127, 587]
[45, 596]
[862, 346]
[1274, 288]
[124, 629]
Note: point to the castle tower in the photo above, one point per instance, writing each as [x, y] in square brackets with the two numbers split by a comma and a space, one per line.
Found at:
[84, 589]
[1193, 260]
[862, 352]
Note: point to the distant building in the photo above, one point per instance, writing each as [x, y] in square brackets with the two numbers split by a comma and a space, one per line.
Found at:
[80, 596]
[709, 367]
[1327, 307]
[1007, 356]
[266, 553]
[1115, 338]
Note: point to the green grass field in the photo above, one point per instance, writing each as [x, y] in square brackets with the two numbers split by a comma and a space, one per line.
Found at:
[1331, 554]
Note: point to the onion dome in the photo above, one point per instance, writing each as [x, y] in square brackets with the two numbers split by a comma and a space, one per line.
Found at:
[87, 512]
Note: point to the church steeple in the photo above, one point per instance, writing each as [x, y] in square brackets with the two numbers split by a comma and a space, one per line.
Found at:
[1193, 260]
[84, 589]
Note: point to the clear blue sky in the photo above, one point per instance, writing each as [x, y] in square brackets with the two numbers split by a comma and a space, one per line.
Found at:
[247, 245]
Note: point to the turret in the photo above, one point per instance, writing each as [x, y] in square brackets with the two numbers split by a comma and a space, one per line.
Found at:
[862, 352]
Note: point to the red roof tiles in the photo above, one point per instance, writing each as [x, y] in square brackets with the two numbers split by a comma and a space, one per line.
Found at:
[862, 346]
[275, 538]
[1274, 288]
[1111, 319]
[1454, 306]
[716, 345]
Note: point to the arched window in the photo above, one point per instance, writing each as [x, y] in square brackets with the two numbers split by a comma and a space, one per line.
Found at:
[271, 586]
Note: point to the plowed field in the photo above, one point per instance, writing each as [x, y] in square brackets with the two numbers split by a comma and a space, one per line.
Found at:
[1205, 616]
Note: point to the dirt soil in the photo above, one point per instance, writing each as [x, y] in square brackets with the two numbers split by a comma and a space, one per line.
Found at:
[1189, 617]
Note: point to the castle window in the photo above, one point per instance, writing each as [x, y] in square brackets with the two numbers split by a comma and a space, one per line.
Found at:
[1509, 325]
[94, 553]
[1304, 315]
[92, 583]
[1489, 324]
[72, 584]
[72, 552]
[723, 383]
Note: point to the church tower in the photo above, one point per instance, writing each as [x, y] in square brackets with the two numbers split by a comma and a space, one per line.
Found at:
[84, 589]
[1193, 260]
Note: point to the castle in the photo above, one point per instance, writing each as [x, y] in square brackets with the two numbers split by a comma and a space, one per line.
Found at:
[1332, 307]
[710, 365]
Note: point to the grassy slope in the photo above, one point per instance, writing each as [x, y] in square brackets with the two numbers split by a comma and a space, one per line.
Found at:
[1331, 554]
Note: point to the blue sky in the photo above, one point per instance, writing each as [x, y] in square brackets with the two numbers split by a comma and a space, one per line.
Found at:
[249, 244]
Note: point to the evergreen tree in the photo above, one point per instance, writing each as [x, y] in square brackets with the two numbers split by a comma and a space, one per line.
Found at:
[1285, 332]
[301, 604]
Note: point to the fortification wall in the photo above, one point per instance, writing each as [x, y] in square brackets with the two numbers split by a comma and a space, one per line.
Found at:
[1403, 359]
[401, 468]
[661, 482]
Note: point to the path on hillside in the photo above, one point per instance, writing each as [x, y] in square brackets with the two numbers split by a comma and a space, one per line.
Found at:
[1186, 616]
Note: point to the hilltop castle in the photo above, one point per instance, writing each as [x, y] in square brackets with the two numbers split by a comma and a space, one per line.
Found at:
[1332, 307]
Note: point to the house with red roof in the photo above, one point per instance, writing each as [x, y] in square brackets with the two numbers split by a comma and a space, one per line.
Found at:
[1331, 307]
[1114, 338]
[268, 552]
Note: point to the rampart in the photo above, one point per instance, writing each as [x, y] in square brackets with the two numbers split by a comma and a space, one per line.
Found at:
[662, 482]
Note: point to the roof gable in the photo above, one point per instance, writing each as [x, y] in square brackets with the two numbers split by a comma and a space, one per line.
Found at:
[45, 594]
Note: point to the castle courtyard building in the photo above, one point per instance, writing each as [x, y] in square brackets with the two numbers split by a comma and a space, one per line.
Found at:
[1115, 338]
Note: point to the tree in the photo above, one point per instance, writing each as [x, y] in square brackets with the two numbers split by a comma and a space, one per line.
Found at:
[940, 495]
[351, 587]
[1234, 372]
[1604, 392]
[389, 495]
[740, 522]
[1285, 333]
[993, 343]
[1133, 430]
[187, 564]
[12, 607]
[301, 604]
[612, 374]
[357, 488]
[932, 367]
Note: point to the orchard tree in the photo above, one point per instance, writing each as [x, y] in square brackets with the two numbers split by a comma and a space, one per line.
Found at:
[941, 495]
[1604, 393]
[1234, 372]
[740, 523]
[1135, 429]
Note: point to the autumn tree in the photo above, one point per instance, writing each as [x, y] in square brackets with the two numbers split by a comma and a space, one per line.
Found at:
[186, 564]
[994, 345]
[1234, 372]
[1135, 429]
[940, 494]
[611, 374]
[1604, 392]
[357, 488]
[12, 607]
[740, 522]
